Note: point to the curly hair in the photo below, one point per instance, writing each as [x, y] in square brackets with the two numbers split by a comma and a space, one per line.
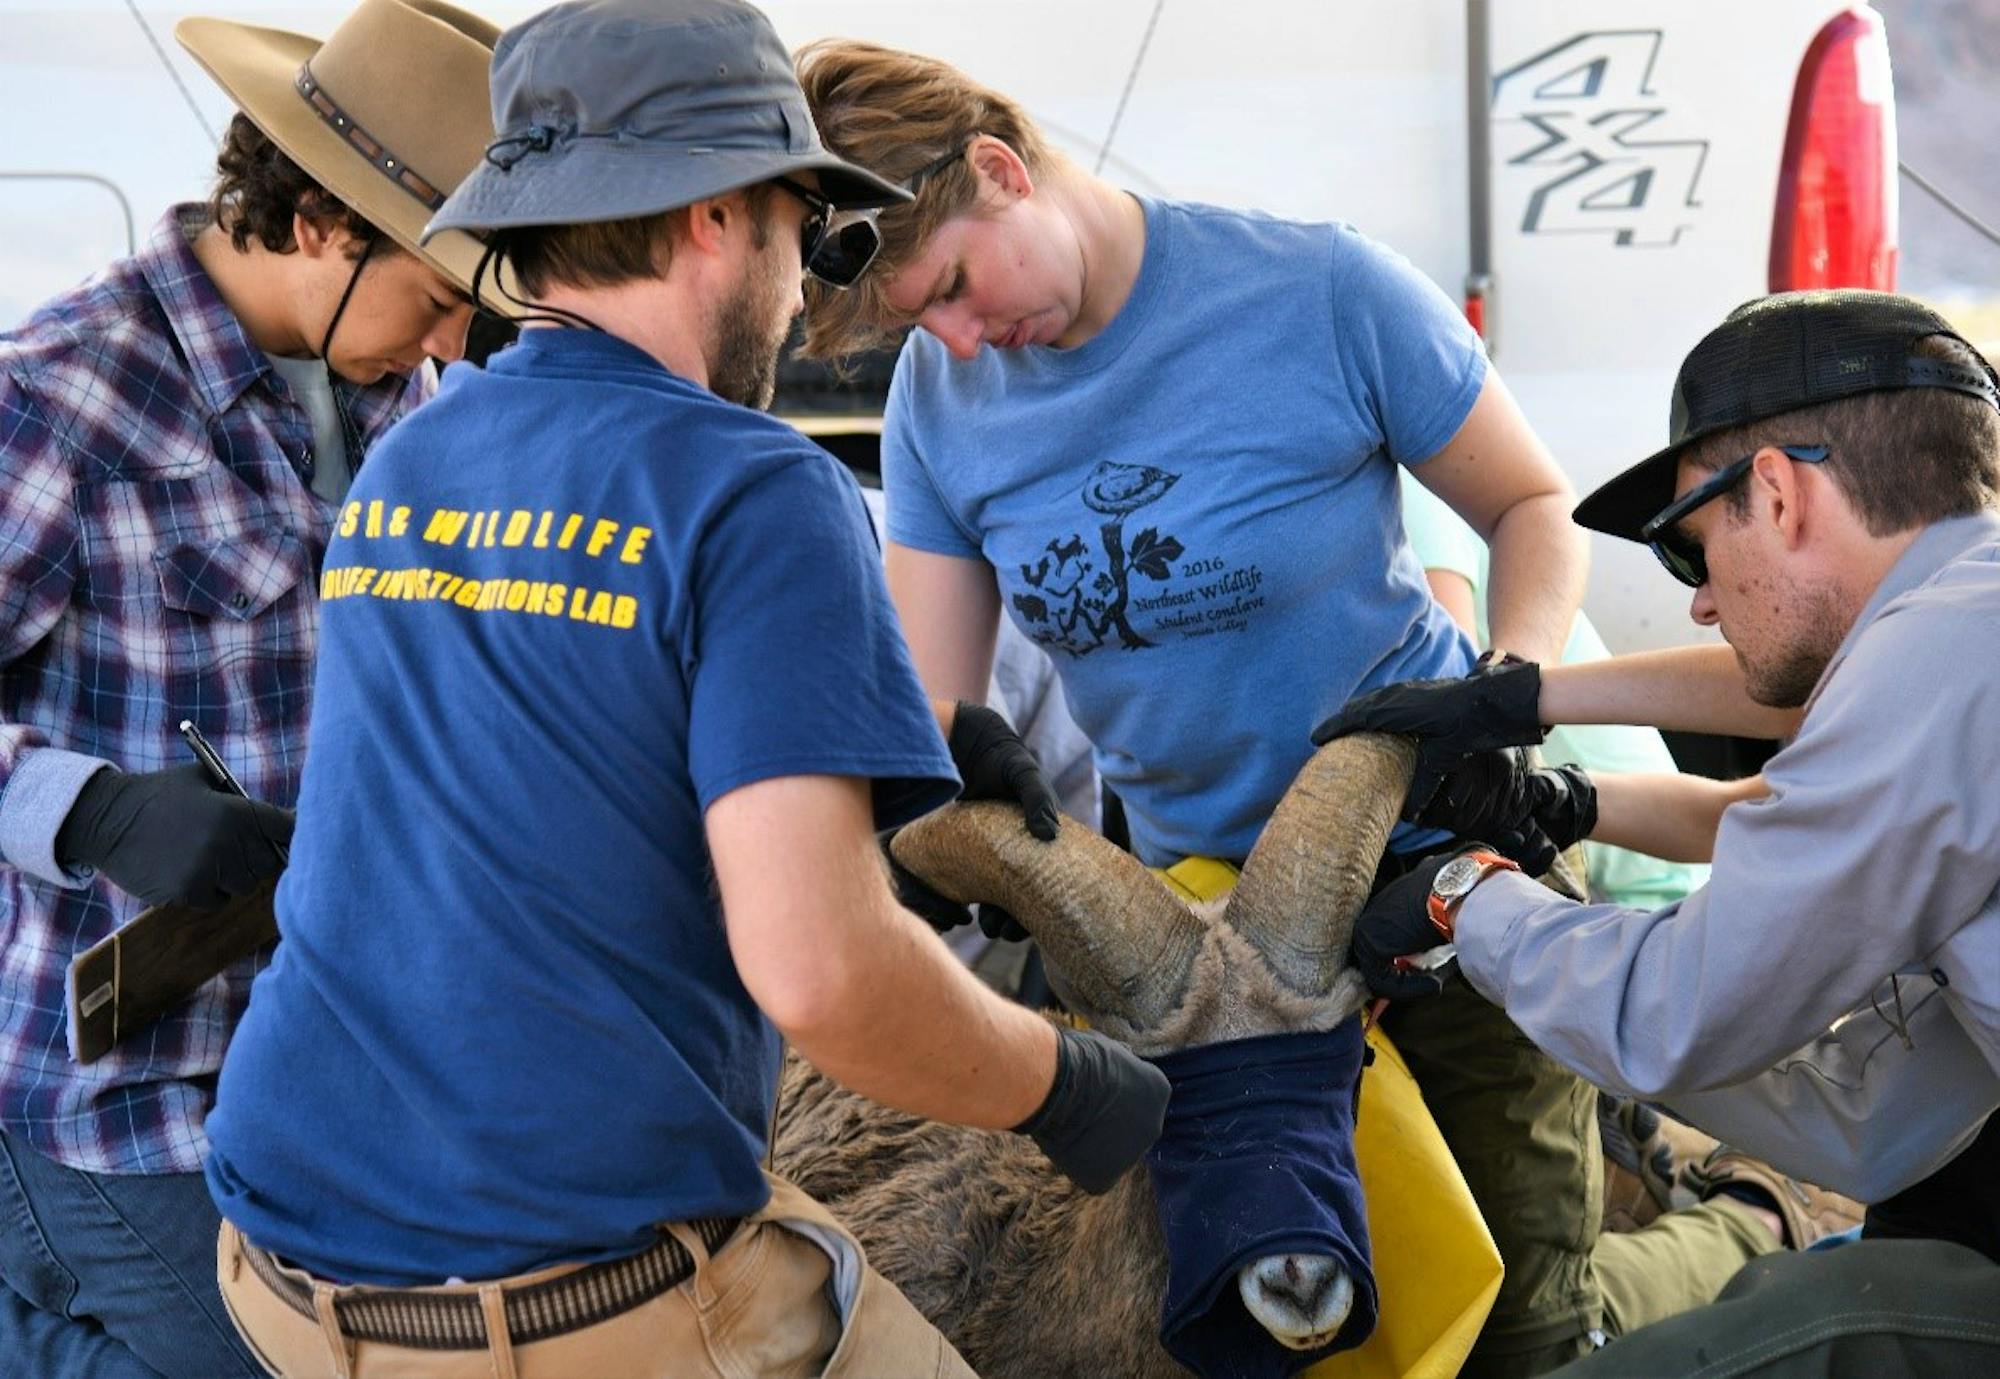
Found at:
[896, 113]
[258, 190]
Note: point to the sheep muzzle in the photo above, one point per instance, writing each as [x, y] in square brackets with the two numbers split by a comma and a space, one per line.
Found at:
[1255, 1181]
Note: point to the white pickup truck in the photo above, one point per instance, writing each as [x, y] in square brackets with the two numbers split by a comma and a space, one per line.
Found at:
[1599, 180]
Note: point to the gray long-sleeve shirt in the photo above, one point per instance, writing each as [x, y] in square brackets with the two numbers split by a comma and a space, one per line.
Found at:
[1875, 856]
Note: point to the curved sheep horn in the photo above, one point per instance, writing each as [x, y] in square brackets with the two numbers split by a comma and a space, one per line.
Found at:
[1119, 943]
[1310, 872]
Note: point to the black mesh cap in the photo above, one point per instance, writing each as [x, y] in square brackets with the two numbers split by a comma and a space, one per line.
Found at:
[1775, 355]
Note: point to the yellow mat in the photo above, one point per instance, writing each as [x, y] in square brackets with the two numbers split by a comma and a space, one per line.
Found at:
[1436, 1270]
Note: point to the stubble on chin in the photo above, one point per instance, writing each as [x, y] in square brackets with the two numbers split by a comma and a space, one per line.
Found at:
[750, 332]
[1786, 684]
[1787, 679]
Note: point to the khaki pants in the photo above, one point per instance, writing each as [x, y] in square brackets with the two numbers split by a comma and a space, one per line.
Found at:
[1677, 1263]
[790, 1294]
[1524, 1132]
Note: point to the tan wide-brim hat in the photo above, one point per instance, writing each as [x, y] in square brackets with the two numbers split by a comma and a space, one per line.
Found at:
[389, 113]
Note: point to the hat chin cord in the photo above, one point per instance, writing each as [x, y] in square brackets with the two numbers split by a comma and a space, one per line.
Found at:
[349, 432]
[353, 281]
[536, 311]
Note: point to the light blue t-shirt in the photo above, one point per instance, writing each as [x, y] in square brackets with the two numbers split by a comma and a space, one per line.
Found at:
[1195, 511]
[568, 605]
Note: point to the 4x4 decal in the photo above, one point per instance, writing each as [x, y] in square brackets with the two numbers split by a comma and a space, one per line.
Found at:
[1585, 122]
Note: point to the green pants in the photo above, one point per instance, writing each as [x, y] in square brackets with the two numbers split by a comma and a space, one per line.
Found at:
[1878, 1307]
[1524, 1131]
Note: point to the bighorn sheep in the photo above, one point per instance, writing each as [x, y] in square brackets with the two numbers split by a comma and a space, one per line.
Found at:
[1026, 1275]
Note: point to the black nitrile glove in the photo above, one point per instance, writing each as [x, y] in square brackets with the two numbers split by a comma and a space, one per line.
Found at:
[1103, 1111]
[171, 837]
[1488, 795]
[1396, 923]
[1497, 705]
[996, 765]
[1563, 802]
[1000, 924]
[1528, 846]
[1530, 812]
[1485, 794]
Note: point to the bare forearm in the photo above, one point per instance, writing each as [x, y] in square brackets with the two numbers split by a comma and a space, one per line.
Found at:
[945, 711]
[913, 1029]
[1540, 561]
[862, 987]
[1696, 689]
[1497, 475]
[1453, 592]
[1665, 815]
[950, 611]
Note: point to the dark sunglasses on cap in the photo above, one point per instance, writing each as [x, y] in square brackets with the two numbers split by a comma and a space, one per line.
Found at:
[836, 246]
[1684, 558]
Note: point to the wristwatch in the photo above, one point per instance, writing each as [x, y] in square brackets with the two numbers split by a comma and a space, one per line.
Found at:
[1455, 880]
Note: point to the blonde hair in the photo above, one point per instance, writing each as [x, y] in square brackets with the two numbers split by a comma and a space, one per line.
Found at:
[896, 114]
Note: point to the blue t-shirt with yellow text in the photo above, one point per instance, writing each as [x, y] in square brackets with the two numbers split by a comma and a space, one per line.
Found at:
[568, 604]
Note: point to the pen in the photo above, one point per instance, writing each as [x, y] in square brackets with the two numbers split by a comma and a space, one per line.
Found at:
[209, 759]
[211, 762]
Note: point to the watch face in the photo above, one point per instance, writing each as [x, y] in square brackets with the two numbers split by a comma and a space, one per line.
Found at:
[1457, 876]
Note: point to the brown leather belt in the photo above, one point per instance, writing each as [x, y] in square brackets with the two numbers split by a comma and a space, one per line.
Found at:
[431, 1319]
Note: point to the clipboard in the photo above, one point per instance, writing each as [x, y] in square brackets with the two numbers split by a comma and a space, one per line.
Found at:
[148, 966]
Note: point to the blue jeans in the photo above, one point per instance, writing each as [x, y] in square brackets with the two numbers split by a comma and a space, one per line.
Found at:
[109, 1276]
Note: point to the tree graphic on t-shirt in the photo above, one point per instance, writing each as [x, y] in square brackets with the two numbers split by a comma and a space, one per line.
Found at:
[1080, 606]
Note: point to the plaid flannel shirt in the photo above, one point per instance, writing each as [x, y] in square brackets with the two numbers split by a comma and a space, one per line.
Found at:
[159, 557]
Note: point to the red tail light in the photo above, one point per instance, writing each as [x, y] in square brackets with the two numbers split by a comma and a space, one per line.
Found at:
[1836, 218]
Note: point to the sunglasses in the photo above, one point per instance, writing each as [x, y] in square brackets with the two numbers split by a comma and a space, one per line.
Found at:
[1684, 558]
[835, 245]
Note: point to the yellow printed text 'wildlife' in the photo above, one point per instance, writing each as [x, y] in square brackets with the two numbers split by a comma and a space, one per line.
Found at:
[601, 539]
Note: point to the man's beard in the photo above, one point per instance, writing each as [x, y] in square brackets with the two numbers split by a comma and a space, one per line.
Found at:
[1790, 678]
[750, 330]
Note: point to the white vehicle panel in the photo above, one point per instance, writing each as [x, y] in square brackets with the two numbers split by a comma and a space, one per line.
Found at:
[1636, 152]
[1635, 155]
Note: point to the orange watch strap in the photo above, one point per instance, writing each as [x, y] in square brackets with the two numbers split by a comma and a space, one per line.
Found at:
[1444, 913]
[1441, 916]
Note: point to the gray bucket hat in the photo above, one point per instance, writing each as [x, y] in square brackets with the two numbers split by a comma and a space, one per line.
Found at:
[614, 108]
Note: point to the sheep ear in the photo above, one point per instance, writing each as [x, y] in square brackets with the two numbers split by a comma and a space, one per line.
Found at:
[1312, 868]
[1120, 947]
